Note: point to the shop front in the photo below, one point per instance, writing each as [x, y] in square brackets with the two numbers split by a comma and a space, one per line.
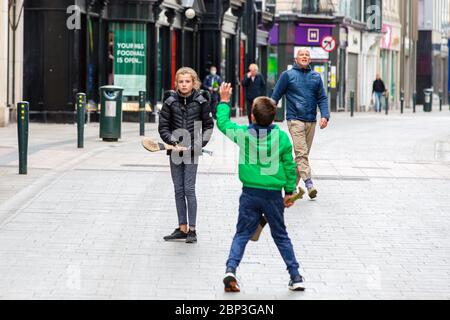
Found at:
[389, 60]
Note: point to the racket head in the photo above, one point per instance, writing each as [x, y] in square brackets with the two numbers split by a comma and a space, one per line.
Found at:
[152, 145]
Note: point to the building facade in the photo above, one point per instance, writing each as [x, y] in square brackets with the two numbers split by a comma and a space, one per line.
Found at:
[79, 46]
[343, 66]
[4, 110]
[11, 58]
[433, 51]
[372, 37]
[409, 16]
[390, 50]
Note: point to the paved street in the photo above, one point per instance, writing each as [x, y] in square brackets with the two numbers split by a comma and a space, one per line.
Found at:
[88, 224]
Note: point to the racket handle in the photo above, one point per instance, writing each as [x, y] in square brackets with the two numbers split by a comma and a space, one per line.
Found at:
[297, 196]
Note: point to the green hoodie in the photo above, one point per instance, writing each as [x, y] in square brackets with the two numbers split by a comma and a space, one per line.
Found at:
[265, 162]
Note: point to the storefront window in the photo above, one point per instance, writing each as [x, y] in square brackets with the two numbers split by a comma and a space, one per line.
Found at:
[272, 68]
[351, 8]
[393, 74]
[310, 6]
[128, 45]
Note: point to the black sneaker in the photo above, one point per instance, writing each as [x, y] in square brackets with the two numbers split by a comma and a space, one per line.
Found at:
[230, 281]
[297, 283]
[176, 235]
[191, 236]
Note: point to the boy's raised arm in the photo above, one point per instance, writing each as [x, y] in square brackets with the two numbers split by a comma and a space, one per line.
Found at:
[225, 125]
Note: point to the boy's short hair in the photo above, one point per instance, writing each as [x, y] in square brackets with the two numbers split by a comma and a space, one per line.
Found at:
[264, 109]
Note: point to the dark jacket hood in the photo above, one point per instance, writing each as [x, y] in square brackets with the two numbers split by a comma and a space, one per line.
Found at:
[260, 131]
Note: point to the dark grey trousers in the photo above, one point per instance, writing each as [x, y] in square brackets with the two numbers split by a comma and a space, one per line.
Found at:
[184, 177]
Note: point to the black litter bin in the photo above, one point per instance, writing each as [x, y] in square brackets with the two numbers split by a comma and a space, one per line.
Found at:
[111, 113]
[428, 101]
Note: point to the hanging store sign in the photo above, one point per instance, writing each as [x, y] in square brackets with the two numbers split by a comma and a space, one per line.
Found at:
[312, 34]
[130, 57]
[317, 53]
[386, 41]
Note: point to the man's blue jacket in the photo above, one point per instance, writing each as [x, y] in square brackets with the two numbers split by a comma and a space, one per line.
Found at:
[304, 92]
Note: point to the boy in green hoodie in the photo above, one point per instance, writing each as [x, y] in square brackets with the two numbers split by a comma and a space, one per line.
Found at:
[266, 167]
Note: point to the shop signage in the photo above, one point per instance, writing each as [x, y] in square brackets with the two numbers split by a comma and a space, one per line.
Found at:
[312, 34]
[317, 53]
[386, 41]
[130, 57]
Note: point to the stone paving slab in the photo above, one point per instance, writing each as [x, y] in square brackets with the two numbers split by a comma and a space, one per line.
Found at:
[88, 224]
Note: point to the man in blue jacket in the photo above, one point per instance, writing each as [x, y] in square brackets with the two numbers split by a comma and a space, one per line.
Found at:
[304, 92]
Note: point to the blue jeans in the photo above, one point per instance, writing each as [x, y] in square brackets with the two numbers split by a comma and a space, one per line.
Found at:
[253, 203]
[378, 96]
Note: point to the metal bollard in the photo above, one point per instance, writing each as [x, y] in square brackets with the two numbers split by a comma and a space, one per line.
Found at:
[142, 98]
[440, 101]
[414, 101]
[402, 100]
[352, 103]
[387, 104]
[81, 110]
[23, 121]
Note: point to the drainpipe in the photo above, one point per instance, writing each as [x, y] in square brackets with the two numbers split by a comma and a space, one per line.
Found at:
[14, 56]
[7, 63]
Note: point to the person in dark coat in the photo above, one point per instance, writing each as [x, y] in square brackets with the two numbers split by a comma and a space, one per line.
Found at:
[212, 83]
[254, 86]
[378, 90]
[185, 121]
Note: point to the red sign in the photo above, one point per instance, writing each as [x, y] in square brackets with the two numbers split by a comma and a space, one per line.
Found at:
[328, 44]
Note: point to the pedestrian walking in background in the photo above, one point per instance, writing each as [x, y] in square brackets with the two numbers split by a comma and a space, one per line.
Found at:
[254, 86]
[212, 83]
[305, 93]
[263, 183]
[378, 90]
[185, 114]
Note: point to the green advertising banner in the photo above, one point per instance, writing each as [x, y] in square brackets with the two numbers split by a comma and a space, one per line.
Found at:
[130, 57]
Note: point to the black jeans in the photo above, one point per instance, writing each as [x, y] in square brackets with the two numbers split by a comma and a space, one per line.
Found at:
[184, 177]
[213, 106]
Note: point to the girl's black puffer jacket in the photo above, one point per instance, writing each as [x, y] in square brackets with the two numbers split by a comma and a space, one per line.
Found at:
[192, 114]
